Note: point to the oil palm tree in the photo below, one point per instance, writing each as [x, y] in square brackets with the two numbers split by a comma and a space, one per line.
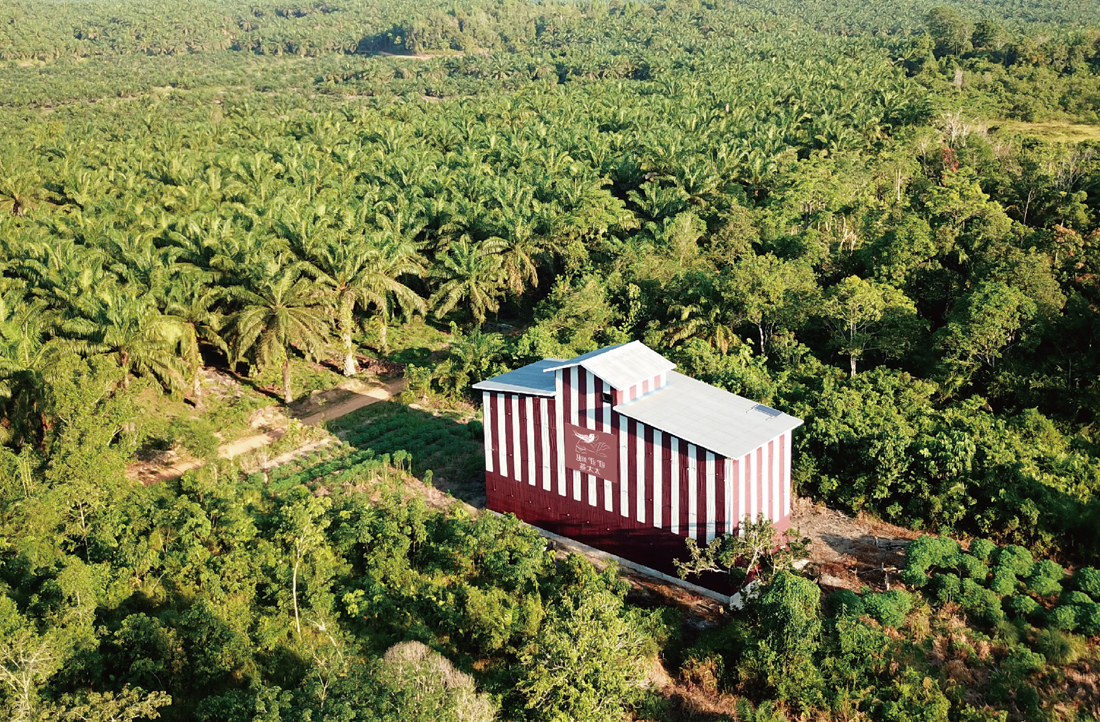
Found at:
[26, 353]
[126, 324]
[194, 302]
[473, 273]
[280, 310]
[365, 274]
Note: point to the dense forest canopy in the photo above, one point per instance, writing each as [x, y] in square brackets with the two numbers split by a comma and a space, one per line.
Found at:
[881, 218]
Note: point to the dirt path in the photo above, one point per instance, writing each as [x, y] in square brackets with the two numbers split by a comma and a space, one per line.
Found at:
[356, 402]
[258, 441]
[851, 552]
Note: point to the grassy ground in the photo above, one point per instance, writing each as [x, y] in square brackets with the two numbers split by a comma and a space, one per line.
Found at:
[1058, 131]
[450, 450]
[415, 342]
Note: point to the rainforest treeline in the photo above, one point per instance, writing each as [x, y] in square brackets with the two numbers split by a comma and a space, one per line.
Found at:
[879, 218]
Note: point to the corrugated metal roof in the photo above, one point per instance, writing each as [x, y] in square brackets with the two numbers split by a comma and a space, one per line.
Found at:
[527, 380]
[707, 416]
[621, 366]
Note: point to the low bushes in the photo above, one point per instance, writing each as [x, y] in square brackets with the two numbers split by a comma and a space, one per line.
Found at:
[991, 583]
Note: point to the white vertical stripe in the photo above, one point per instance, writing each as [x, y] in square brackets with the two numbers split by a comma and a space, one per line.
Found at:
[487, 421]
[786, 480]
[559, 416]
[658, 470]
[574, 414]
[639, 479]
[750, 477]
[590, 423]
[624, 468]
[590, 396]
[777, 499]
[674, 484]
[517, 448]
[693, 493]
[502, 432]
[530, 450]
[741, 508]
[544, 427]
[605, 426]
[728, 479]
[712, 508]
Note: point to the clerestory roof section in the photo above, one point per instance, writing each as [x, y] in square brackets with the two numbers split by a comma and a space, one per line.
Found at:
[529, 379]
[710, 417]
[621, 366]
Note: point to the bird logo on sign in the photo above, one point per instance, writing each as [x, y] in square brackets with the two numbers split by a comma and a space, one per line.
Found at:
[587, 447]
[586, 438]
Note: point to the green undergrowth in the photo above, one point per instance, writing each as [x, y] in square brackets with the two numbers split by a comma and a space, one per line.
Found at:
[332, 466]
[444, 451]
[996, 584]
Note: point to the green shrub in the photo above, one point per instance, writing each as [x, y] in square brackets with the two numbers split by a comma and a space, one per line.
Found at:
[1049, 569]
[981, 714]
[1004, 583]
[1063, 618]
[1058, 647]
[195, 435]
[1074, 598]
[915, 697]
[927, 553]
[1021, 662]
[1044, 586]
[1015, 559]
[1046, 578]
[1087, 579]
[843, 603]
[1088, 618]
[946, 588]
[789, 609]
[1007, 632]
[982, 549]
[973, 568]
[914, 578]
[1024, 606]
[981, 603]
[889, 608]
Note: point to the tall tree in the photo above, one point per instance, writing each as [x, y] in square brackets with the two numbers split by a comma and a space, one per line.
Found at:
[127, 326]
[195, 303]
[473, 273]
[768, 293]
[281, 311]
[366, 274]
[866, 315]
[983, 326]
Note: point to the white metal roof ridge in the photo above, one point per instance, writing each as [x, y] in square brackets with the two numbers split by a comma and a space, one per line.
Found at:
[707, 416]
[621, 366]
[528, 379]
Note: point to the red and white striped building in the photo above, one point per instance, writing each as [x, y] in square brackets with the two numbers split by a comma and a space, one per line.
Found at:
[617, 450]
